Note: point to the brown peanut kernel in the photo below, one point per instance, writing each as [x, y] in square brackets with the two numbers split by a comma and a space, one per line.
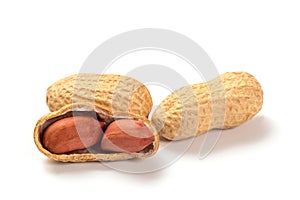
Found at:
[126, 136]
[72, 133]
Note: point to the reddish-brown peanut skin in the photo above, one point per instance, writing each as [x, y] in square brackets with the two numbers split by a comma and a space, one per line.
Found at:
[126, 136]
[72, 133]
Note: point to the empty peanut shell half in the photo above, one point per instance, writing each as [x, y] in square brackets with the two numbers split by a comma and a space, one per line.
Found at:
[116, 94]
[83, 132]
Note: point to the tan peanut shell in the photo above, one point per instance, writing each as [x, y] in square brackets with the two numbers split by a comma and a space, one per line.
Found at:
[114, 93]
[46, 120]
[224, 102]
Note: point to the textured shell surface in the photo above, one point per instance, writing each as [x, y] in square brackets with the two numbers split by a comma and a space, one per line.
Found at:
[113, 93]
[224, 102]
[44, 121]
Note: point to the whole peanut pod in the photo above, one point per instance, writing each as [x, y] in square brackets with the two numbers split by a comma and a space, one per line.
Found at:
[224, 102]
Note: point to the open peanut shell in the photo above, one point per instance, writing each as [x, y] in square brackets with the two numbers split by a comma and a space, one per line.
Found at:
[90, 154]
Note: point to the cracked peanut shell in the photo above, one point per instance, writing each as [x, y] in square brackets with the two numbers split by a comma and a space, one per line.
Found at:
[91, 154]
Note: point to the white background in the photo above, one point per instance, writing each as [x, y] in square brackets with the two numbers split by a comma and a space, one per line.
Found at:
[41, 42]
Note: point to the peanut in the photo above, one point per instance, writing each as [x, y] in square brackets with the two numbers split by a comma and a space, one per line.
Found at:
[72, 133]
[126, 136]
[111, 97]
[224, 102]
